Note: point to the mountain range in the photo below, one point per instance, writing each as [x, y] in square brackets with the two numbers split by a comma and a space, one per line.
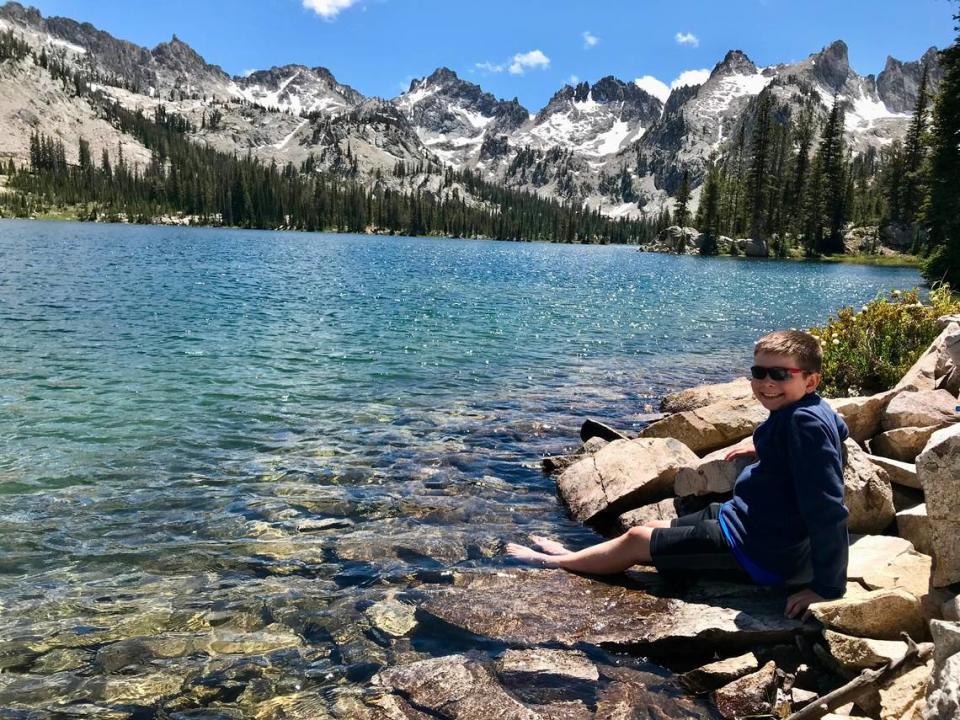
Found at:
[609, 144]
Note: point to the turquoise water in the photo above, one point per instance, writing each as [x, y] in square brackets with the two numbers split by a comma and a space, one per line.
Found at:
[176, 403]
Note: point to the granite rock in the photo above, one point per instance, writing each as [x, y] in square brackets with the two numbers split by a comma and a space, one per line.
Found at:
[711, 427]
[621, 476]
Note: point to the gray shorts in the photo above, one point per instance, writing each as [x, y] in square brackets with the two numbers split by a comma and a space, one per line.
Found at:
[695, 542]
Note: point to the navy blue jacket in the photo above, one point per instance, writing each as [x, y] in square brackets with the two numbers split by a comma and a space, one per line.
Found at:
[787, 511]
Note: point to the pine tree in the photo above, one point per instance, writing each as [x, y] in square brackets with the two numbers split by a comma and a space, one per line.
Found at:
[914, 155]
[758, 178]
[708, 213]
[942, 211]
[680, 214]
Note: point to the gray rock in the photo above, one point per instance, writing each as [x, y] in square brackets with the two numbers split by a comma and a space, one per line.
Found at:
[703, 395]
[903, 444]
[857, 653]
[880, 615]
[867, 492]
[938, 469]
[716, 674]
[752, 694]
[922, 374]
[884, 562]
[623, 475]
[900, 473]
[392, 617]
[663, 510]
[919, 409]
[862, 414]
[712, 474]
[951, 609]
[711, 427]
[914, 525]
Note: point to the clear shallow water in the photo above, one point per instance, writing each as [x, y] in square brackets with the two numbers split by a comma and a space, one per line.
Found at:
[176, 403]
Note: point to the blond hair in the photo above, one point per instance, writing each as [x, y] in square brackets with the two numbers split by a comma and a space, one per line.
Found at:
[802, 347]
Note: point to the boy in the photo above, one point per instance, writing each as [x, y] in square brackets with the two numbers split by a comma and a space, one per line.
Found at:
[786, 519]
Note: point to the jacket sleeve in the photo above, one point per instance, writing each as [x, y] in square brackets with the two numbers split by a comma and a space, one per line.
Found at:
[816, 466]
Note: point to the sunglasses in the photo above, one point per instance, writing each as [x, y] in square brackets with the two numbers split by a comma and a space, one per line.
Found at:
[778, 374]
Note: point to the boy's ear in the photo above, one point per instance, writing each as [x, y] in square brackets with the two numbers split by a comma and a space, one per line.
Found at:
[813, 380]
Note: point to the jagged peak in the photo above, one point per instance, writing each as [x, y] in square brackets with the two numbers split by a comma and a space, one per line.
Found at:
[735, 62]
[442, 75]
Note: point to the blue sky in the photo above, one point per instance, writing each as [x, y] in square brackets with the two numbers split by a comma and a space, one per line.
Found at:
[519, 48]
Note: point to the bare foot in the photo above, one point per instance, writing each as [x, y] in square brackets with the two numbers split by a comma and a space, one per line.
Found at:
[551, 547]
[521, 552]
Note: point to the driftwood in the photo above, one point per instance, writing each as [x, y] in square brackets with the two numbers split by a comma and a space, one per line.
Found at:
[866, 681]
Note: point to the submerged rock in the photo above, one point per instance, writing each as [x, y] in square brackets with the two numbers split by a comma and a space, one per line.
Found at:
[556, 607]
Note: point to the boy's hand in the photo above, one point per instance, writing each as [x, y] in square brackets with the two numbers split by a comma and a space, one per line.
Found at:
[743, 448]
[800, 601]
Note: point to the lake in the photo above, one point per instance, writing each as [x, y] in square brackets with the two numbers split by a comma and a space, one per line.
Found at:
[238, 440]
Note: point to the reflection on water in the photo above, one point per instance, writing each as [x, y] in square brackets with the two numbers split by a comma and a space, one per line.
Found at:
[220, 449]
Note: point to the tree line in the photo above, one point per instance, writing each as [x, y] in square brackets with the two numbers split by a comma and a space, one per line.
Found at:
[794, 182]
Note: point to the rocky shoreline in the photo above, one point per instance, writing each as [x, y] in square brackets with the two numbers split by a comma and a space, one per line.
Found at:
[551, 644]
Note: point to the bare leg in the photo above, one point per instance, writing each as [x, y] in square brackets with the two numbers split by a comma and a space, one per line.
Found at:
[551, 547]
[606, 558]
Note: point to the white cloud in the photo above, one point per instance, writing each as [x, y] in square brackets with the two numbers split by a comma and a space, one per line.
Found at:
[328, 9]
[691, 77]
[488, 66]
[589, 39]
[518, 64]
[528, 60]
[687, 39]
[248, 73]
[573, 80]
[653, 86]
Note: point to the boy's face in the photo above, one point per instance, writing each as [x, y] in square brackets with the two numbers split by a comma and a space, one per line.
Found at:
[776, 394]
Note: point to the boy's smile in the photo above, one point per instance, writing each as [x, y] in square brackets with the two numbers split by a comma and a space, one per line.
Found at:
[776, 394]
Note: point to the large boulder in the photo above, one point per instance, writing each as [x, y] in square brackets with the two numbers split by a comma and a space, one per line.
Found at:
[621, 476]
[867, 492]
[862, 414]
[938, 469]
[900, 473]
[711, 427]
[903, 444]
[920, 409]
[946, 373]
[914, 525]
[922, 375]
[752, 247]
[880, 615]
[943, 696]
[883, 562]
[703, 395]
[677, 239]
[565, 610]
[712, 474]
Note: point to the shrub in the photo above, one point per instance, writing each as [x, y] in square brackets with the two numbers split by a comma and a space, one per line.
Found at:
[869, 351]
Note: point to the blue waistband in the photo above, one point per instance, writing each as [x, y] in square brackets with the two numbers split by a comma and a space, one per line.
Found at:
[759, 575]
